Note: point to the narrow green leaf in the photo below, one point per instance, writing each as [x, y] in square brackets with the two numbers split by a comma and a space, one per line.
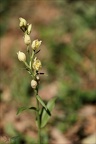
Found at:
[33, 108]
[21, 109]
[41, 101]
[45, 115]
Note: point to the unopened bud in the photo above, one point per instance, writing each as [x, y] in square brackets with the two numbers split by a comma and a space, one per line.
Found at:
[29, 28]
[21, 56]
[33, 84]
[27, 39]
[23, 22]
[37, 77]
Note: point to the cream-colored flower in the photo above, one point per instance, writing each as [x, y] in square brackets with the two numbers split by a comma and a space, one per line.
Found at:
[33, 84]
[36, 64]
[27, 39]
[21, 56]
[36, 44]
[29, 29]
[23, 22]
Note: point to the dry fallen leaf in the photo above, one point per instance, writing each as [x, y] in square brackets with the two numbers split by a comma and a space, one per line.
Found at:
[58, 137]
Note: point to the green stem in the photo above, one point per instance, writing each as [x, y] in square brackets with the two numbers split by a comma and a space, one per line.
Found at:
[31, 58]
[28, 49]
[38, 119]
[27, 65]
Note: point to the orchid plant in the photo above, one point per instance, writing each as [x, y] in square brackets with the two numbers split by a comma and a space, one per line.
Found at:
[33, 65]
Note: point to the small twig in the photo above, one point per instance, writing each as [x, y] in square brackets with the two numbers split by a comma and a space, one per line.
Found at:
[42, 73]
[37, 51]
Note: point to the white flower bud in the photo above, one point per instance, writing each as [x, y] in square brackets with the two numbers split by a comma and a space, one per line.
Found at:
[29, 28]
[23, 22]
[33, 84]
[35, 44]
[37, 77]
[27, 39]
[21, 56]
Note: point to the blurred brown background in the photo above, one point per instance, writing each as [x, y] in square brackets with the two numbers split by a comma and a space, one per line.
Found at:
[67, 29]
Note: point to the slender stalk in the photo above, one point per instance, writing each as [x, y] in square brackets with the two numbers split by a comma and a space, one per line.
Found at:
[39, 129]
[38, 119]
[27, 65]
[31, 58]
